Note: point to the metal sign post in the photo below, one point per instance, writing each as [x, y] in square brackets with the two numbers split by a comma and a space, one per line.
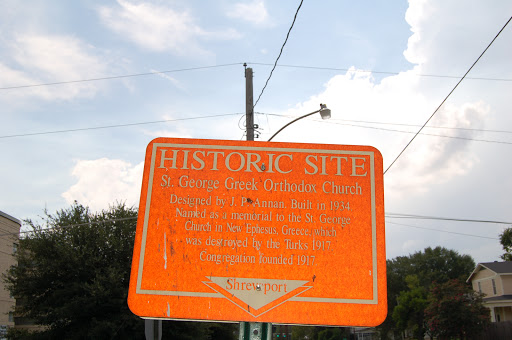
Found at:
[255, 331]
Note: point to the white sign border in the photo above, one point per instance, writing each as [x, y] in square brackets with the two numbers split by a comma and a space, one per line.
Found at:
[139, 290]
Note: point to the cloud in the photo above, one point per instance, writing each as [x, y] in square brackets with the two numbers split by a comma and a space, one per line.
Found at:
[174, 81]
[253, 12]
[160, 28]
[104, 181]
[407, 98]
[430, 159]
[37, 59]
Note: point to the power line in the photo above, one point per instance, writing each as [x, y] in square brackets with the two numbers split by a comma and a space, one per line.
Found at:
[117, 125]
[389, 215]
[333, 121]
[443, 231]
[72, 225]
[377, 72]
[279, 56]
[117, 77]
[426, 134]
[240, 63]
[446, 98]
[390, 123]
[421, 217]
[428, 127]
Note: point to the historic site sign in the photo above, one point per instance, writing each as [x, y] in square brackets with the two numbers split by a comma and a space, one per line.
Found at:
[260, 232]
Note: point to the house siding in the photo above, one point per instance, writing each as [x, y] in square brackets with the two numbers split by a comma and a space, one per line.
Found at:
[499, 303]
[10, 228]
[507, 284]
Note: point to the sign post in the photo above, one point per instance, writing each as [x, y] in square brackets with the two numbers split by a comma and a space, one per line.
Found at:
[260, 232]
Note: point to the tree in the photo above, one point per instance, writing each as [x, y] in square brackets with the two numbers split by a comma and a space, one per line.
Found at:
[73, 274]
[506, 242]
[409, 313]
[456, 310]
[437, 264]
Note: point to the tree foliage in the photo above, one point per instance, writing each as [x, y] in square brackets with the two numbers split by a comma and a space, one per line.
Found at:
[437, 264]
[506, 242]
[409, 313]
[456, 310]
[73, 274]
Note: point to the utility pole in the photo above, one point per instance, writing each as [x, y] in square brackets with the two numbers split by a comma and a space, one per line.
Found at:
[249, 106]
[252, 330]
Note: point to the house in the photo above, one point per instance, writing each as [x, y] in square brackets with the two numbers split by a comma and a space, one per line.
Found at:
[494, 279]
[9, 233]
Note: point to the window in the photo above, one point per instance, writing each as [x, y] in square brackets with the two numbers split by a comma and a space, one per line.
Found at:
[479, 287]
[14, 248]
[11, 317]
[494, 286]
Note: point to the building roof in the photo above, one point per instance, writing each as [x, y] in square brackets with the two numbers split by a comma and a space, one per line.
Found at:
[498, 298]
[9, 217]
[497, 267]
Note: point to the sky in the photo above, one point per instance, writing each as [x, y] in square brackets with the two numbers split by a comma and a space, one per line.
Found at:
[85, 85]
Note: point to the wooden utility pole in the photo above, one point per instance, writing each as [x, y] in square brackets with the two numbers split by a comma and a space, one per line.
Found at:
[249, 106]
[252, 330]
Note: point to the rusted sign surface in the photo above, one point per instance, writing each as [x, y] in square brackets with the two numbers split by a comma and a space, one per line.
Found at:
[260, 232]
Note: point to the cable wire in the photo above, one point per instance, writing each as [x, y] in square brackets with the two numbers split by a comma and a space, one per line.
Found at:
[391, 215]
[279, 56]
[72, 225]
[443, 231]
[377, 72]
[117, 77]
[117, 125]
[388, 215]
[333, 121]
[449, 94]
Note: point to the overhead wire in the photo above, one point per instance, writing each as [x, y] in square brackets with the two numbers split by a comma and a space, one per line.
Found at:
[421, 217]
[376, 71]
[116, 77]
[118, 125]
[449, 94]
[388, 215]
[279, 56]
[443, 231]
[239, 63]
[333, 121]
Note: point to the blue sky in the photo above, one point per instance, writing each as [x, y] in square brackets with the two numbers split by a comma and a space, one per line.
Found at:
[377, 64]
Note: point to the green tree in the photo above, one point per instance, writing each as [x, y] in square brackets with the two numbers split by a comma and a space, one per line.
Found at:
[409, 313]
[437, 264]
[73, 274]
[456, 310]
[506, 242]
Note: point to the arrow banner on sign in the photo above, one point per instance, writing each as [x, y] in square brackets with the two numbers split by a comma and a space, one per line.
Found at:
[257, 296]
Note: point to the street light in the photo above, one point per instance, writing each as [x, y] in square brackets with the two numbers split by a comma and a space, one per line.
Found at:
[325, 113]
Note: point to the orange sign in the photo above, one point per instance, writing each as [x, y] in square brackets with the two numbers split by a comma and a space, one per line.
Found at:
[260, 232]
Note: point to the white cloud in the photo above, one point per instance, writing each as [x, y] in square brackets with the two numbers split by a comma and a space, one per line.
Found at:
[407, 98]
[430, 159]
[160, 28]
[104, 181]
[253, 12]
[174, 81]
[38, 59]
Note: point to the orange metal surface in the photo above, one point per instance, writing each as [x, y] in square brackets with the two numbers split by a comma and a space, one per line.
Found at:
[260, 232]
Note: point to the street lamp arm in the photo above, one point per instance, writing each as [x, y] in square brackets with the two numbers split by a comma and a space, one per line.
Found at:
[293, 121]
[324, 112]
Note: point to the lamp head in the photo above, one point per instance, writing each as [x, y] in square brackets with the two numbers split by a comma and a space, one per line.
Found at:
[324, 111]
